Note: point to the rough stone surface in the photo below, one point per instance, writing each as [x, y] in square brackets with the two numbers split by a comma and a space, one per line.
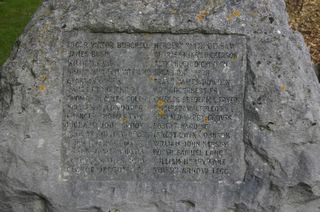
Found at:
[281, 115]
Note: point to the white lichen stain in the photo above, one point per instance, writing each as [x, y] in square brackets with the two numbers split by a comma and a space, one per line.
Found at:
[66, 174]
[226, 68]
[41, 142]
[172, 21]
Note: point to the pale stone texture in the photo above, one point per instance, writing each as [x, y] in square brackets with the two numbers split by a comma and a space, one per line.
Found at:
[281, 112]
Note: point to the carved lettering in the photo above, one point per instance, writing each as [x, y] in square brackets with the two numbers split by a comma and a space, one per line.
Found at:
[152, 107]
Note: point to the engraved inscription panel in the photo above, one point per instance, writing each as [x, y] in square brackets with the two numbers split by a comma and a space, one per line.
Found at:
[153, 106]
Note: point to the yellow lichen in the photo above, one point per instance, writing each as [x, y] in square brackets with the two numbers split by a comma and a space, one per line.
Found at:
[161, 113]
[160, 105]
[201, 15]
[42, 88]
[234, 14]
[234, 58]
[283, 88]
[124, 120]
[43, 77]
[206, 120]
[229, 18]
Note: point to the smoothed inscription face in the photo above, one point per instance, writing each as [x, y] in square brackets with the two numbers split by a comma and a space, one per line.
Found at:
[153, 106]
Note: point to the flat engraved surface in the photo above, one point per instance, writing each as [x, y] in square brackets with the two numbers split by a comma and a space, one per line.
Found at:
[153, 106]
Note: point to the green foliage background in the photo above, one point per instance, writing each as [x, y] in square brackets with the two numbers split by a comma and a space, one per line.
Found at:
[14, 15]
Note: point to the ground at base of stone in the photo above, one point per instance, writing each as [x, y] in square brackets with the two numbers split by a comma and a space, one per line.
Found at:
[305, 18]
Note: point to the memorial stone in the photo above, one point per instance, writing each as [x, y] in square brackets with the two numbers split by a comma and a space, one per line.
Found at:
[159, 106]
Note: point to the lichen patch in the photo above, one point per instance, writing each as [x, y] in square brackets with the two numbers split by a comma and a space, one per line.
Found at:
[202, 15]
[234, 14]
[42, 88]
[160, 107]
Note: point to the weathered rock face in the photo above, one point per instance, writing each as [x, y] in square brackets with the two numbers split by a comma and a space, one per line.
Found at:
[159, 106]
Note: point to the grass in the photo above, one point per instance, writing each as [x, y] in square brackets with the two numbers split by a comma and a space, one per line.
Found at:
[14, 15]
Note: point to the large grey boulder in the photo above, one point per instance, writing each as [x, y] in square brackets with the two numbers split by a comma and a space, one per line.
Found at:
[277, 159]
